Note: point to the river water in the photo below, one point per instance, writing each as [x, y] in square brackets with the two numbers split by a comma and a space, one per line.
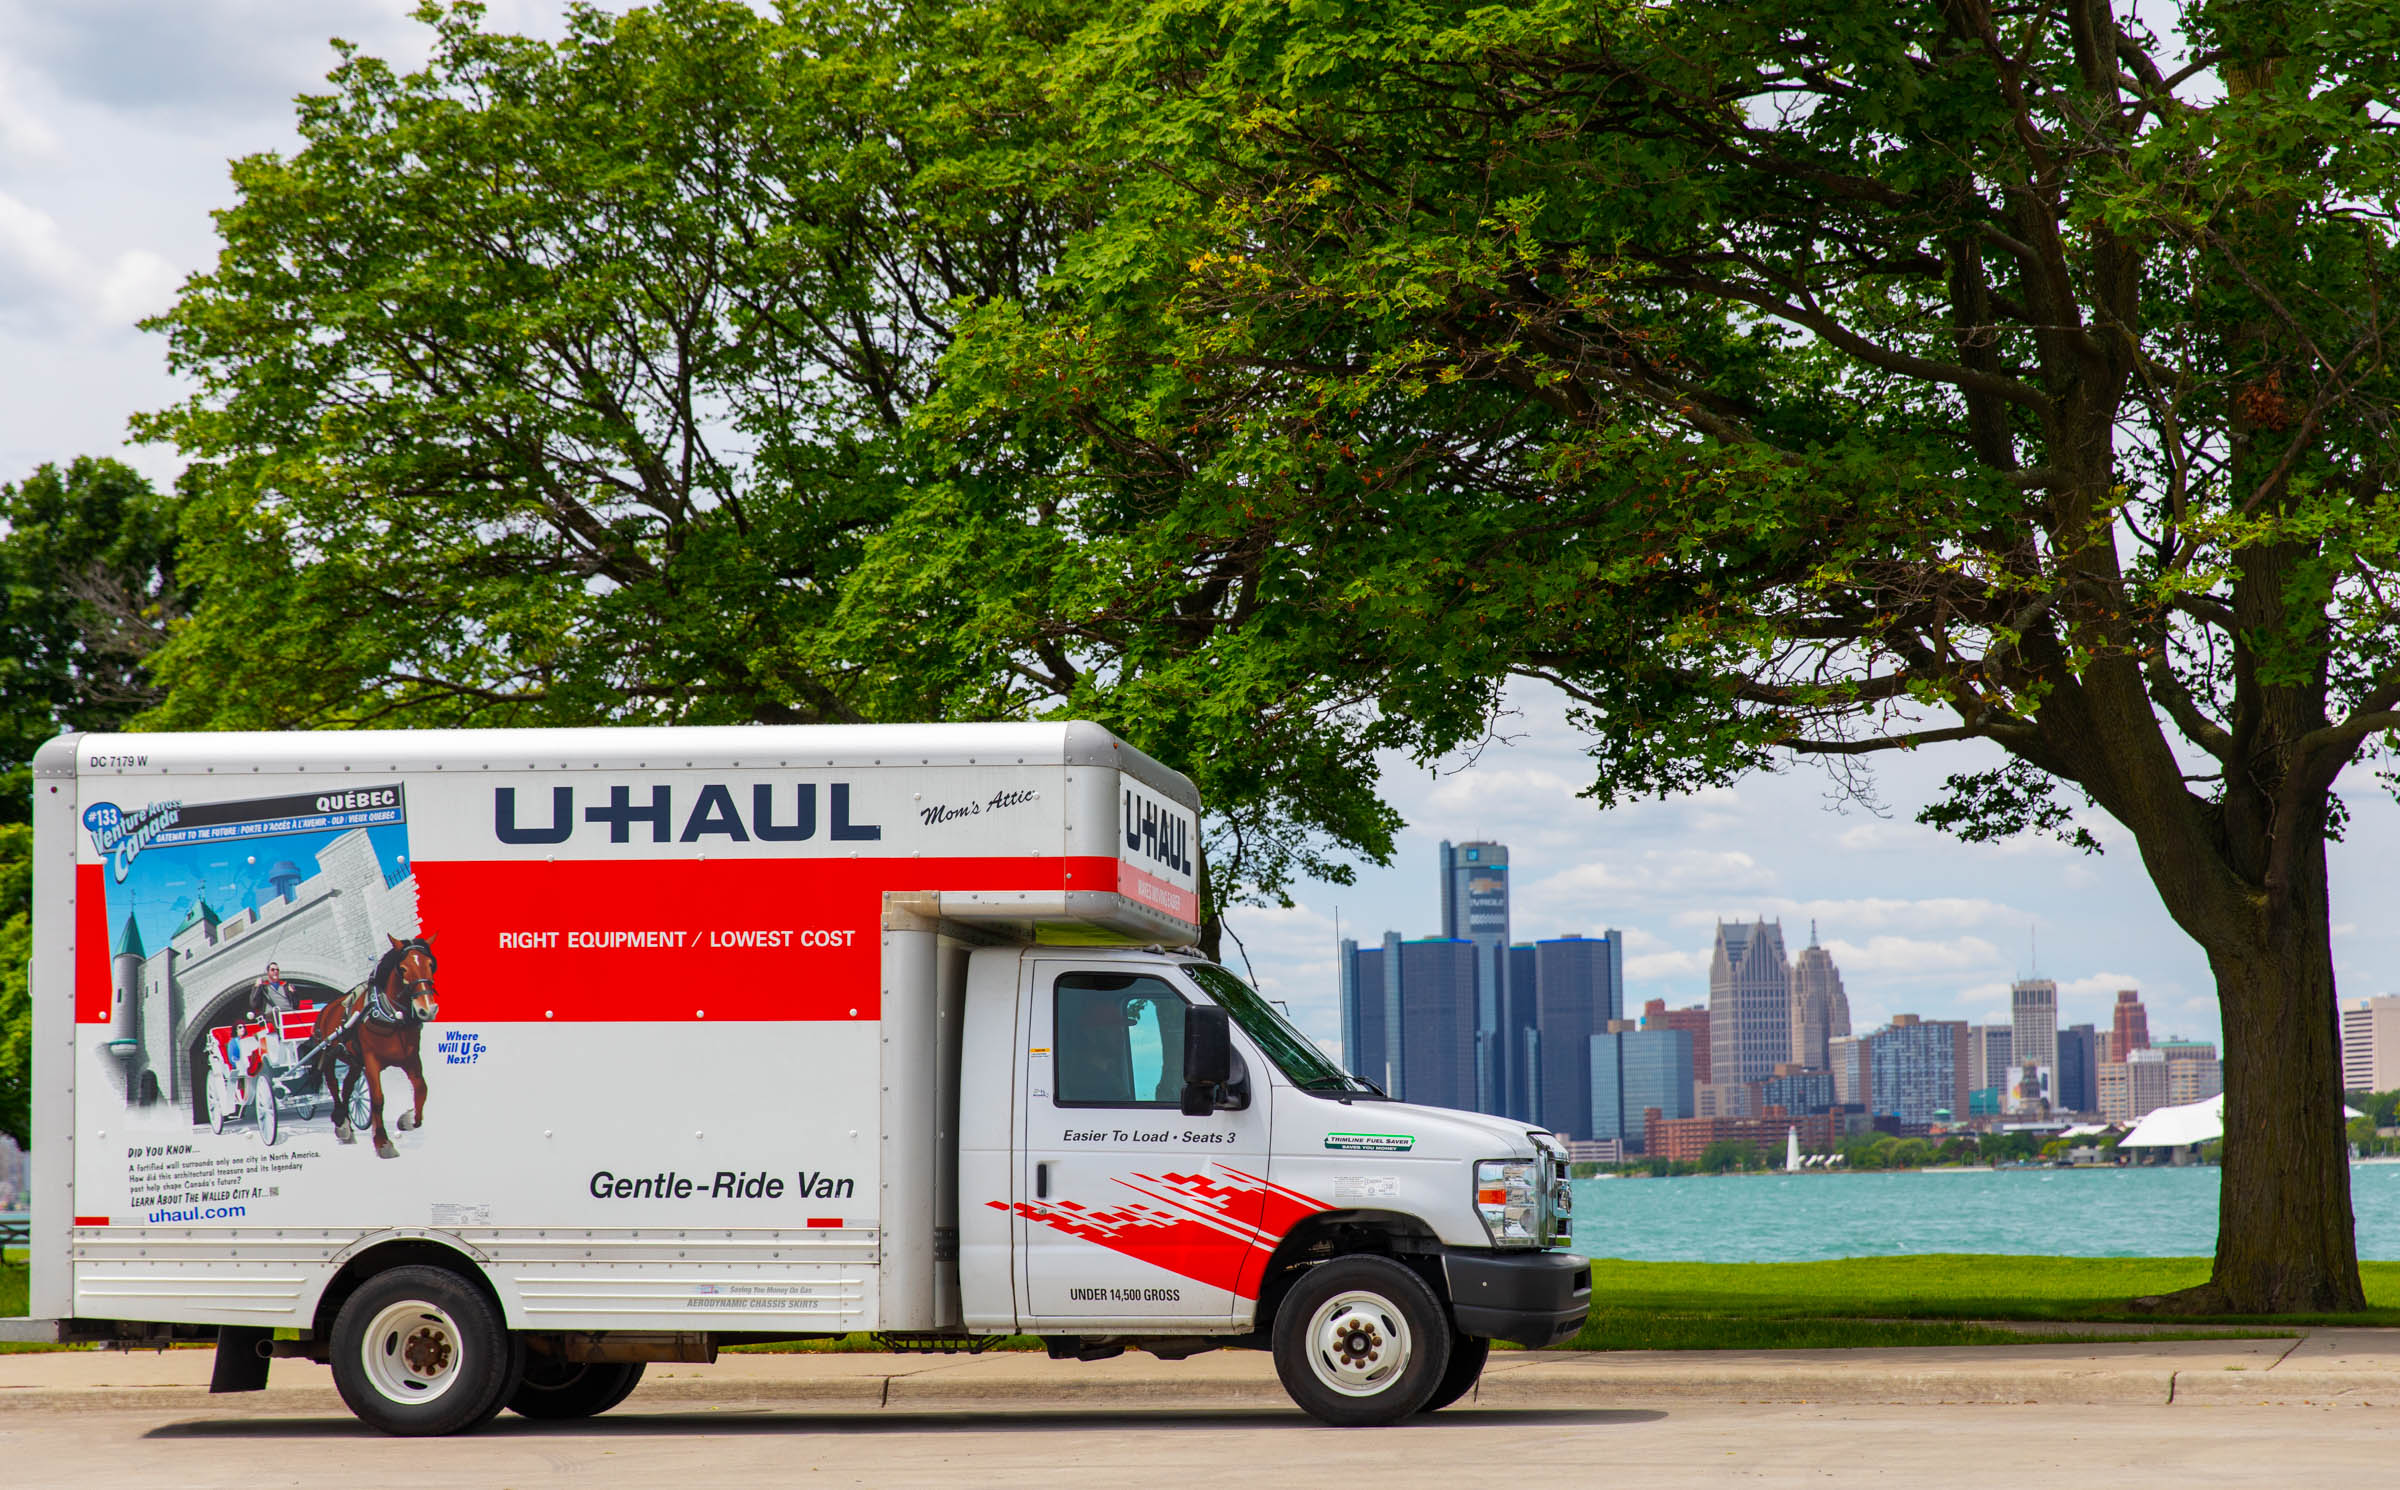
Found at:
[2041, 1212]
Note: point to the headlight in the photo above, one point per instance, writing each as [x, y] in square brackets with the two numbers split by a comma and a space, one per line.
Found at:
[1508, 1195]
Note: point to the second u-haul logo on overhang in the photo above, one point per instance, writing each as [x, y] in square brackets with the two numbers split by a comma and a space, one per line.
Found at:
[1157, 832]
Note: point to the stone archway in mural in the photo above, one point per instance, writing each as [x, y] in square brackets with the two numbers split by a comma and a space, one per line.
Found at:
[225, 1008]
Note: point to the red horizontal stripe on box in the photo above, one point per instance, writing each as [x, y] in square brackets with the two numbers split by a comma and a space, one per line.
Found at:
[465, 907]
[833, 1221]
[91, 1220]
[829, 967]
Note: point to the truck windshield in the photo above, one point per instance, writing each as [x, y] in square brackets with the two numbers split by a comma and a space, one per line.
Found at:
[1309, 1068]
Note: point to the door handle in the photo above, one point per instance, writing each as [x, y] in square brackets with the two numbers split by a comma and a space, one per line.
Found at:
[1041, 1182]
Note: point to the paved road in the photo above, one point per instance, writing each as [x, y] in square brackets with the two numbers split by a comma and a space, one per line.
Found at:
[1673, 1444]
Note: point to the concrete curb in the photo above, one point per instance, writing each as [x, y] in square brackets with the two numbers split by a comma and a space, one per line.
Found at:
[2325, 1367]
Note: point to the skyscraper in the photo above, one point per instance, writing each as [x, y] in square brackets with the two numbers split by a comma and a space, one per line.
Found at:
[1578, 985]
[1363, 1039]
[1634, 1069]
[1820, 1010]
[2033, 1021]
[2371, 1044]
[1916, 1068]
[1372, 1010]
[1475, 909]
[2075, 1085]
[1437, 995]
[1852, 1078]
[2132, 1028]
[1657, 1016]
[1991, 1050]
[1749, 1002]
[2134, 1087]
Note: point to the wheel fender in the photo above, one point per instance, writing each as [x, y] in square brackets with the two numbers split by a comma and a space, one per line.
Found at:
[343, 1271]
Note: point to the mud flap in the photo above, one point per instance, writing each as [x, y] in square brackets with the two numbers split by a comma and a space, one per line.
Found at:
[241, 1359]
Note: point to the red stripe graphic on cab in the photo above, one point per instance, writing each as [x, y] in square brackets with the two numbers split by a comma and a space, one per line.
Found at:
[1219, 1232]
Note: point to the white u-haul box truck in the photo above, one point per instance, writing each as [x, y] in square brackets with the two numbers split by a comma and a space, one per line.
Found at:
[486, 1066]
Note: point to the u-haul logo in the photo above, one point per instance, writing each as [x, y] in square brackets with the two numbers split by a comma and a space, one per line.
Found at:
[769, 814]
[1157, 831]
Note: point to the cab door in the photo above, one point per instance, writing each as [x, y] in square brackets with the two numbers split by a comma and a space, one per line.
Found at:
[1129, 1214]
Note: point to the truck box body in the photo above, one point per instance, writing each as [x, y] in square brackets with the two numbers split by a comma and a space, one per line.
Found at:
[669, 1084]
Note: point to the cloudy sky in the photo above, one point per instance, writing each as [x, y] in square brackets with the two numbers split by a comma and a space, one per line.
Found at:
[117, 118]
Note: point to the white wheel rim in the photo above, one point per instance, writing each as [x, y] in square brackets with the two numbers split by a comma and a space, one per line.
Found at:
[411, 1353]
[1359, 1344]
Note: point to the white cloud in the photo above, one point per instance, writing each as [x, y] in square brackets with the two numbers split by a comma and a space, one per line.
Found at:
[1905, 956]
[1597, 883]
[1993, 996]
[2096, 985]
[46, 282]
[1650, 967]
[25, 136]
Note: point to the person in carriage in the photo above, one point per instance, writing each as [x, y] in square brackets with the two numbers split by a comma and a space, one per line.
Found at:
[270, 998]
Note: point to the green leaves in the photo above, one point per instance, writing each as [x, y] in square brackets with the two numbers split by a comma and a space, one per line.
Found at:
[89, 583]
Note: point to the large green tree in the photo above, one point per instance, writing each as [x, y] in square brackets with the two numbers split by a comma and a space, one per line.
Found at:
[567, 383]
[88, 588]
[1776, 379]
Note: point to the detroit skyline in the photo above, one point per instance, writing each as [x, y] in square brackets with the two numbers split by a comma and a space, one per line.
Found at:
[1918, 922]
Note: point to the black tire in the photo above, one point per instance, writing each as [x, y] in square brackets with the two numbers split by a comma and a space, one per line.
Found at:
[573, 1389]
[1467, 1355]
[419, 1352]
[513, 1377]
[1361, 1341]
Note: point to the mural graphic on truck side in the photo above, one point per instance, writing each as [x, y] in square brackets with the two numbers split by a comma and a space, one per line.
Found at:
[289, 971]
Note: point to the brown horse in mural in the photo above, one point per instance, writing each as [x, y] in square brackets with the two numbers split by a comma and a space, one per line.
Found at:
[376, 1027]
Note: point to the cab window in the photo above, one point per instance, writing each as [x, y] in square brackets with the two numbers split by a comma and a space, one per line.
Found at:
[1116, 1041]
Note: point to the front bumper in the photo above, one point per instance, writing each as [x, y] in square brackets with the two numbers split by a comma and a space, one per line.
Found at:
[1534, 1299]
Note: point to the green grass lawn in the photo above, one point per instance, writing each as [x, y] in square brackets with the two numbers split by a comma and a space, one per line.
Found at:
[1860, 1301]
[1927, 1300]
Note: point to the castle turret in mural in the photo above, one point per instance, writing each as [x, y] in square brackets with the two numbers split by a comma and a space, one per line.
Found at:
[125, 1006]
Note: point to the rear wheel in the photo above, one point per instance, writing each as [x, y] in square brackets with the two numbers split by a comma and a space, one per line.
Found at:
[1467, 1356]
[262, 1098]
[1361, 1341]
[573, 1389]
[419, 1351]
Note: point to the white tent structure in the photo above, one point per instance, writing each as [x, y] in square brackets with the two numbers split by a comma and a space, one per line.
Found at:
[2181, 1127]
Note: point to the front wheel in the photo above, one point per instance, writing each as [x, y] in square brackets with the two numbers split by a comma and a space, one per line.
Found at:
[419, 1351]
[262, 1096]
[1361, 1341]
[573, 1389]
[1467, 1355]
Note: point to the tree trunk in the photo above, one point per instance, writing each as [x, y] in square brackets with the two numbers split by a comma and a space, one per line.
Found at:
[2287, 1242]
[1212, 916]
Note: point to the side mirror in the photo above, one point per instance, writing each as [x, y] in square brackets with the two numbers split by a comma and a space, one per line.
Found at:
[1207, 1058]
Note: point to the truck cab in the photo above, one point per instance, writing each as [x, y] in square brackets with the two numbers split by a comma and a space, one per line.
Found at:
[1152, 1154]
